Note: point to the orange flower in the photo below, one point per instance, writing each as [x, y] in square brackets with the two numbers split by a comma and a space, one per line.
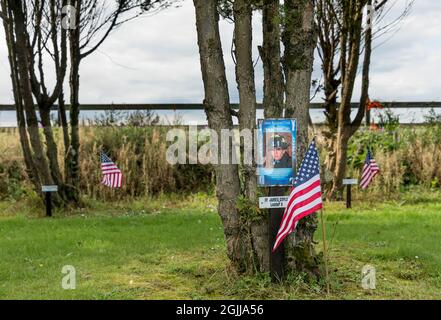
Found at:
[373, 105]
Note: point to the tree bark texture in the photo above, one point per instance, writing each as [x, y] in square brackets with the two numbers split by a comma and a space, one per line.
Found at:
[25, 88]
[273, 86]
[26, 48]
[351, 42]
[340, 38]
[72, 161]
[21, 121]
[247, 120]
[299, 39]
[217, 109]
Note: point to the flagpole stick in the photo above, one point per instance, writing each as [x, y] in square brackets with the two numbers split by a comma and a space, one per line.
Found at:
[325, 250]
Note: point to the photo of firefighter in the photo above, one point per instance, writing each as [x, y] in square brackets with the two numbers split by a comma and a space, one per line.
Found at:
[278, 150]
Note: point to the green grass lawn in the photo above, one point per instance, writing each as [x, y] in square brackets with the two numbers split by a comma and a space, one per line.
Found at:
[174, 249]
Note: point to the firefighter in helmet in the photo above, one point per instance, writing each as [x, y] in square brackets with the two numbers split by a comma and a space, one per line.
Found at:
[279, 152]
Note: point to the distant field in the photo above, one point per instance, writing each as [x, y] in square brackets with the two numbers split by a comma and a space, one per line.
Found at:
[174, 249]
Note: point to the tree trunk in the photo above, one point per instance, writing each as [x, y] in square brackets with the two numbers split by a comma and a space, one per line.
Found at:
[26, 94]
[42, 163]
[364, 81]
[340, 168]
[330, 141]
[64, 125]
[349, 72]
[273, 87]
[51, 149]
[21, 122]
[72, 158]
[52, 155]
[68, 192]
[217, 108]
[247, 120]
[72, 154]
[299, 40]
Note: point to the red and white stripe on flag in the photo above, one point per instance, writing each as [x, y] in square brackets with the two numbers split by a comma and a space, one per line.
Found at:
[305, 197]
[112, 175]
[370, 170]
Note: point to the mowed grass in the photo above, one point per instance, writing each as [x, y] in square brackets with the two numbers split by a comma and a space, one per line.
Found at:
[174, 249]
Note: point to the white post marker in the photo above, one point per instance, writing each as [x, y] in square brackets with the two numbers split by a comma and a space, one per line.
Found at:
[273, 202]
[48, 190]
[349, 182]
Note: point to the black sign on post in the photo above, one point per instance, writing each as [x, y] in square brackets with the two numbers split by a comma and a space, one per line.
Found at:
[48, 190]
[349, 182]
[277, 258]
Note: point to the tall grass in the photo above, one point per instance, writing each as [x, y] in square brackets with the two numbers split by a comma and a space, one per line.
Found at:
[12, 171]
[140, 153]
[407, 156]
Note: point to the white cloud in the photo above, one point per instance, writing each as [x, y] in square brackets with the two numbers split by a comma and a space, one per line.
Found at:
[156, 59]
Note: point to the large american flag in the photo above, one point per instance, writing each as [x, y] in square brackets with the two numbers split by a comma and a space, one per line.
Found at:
[112, 176]
[305, 197]
[370, 170]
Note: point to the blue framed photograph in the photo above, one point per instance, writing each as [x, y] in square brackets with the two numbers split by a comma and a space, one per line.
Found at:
[276, 152]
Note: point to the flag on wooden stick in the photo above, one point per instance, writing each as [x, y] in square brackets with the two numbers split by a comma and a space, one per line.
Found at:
[305, 197]
[370, 170]
[112, 176]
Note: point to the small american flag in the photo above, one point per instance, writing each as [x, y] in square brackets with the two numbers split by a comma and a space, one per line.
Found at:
[305, 197]
[370, 170]
[112, 176]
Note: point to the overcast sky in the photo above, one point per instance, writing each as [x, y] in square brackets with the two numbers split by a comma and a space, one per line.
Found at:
[155, 59]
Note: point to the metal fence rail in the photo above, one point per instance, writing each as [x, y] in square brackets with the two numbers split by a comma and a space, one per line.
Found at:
[199, 106]
[425, 105]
